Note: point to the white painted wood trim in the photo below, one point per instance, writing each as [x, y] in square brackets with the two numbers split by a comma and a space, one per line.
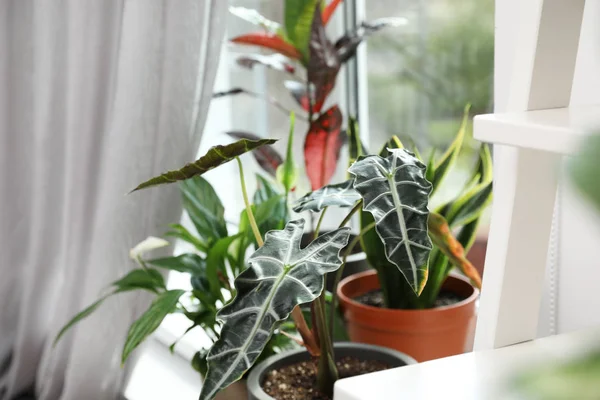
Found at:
[526, 180]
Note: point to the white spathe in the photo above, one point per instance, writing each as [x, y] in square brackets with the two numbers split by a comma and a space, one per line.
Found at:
[96, 97]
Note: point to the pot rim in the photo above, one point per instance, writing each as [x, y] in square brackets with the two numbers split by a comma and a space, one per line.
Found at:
[259, 371]
[348, 300]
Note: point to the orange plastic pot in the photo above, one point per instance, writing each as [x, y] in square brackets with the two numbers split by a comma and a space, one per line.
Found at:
[423, 334]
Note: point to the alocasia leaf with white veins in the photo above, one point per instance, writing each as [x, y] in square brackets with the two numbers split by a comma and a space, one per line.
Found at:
[280, 276]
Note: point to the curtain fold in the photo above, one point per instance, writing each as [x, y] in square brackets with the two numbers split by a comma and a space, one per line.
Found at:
[96, 97]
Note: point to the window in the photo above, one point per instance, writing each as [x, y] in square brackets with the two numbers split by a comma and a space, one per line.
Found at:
[412, 81]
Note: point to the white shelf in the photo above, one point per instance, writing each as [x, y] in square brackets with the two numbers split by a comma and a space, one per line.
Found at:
[478, 375]
[557, 130]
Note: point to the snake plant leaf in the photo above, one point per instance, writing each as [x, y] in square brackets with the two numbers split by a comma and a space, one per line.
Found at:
[396, 193]
[216, 156]
[449, 158]
[356, 147]
[442, 237]
[393, 143]
[280, 276]
[340, 195]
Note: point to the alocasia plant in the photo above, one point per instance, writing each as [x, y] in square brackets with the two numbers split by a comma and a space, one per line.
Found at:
[412, 249]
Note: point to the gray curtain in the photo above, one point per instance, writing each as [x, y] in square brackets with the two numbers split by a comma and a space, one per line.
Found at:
[95, 96]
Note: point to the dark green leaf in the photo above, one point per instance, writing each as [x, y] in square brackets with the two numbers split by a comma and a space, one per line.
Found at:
[81, 315]
[340, 195]
[215, 157]
[396, 193]
[180, 232]
[280, 277]
[449, 158]
[204, 208]
[287, 172]
[393, 143]
[144, 279]
[265, 190]
[199, 362]
[356, 146]
[267, 157]
[298, 21]
[164, 304]
[215, 263]
[189, 262]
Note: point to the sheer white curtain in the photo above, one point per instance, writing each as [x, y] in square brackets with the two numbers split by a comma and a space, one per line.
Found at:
[95, 96]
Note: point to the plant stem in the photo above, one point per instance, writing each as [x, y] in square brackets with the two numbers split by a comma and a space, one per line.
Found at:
[251, 219]
[350, 214]
[318, 228]
[302, 327]
[327, 372]
[340, 271]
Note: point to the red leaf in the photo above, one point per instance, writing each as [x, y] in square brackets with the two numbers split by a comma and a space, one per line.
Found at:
[329, 10]
[266, 156]
[269, 41]
[322, 147]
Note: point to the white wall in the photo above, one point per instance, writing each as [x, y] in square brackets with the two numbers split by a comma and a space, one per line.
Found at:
[573, 273]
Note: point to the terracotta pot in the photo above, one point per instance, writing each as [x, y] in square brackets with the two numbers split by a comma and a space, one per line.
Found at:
[236, 391]
[361, 351]
[423, 334]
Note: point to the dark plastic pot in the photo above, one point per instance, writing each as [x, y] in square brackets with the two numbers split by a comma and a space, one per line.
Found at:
[359, 350]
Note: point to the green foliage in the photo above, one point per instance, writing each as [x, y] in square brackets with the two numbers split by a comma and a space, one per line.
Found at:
[287, 173]
[280, 276]
[298, 21]
[396, 193]
[164, 304]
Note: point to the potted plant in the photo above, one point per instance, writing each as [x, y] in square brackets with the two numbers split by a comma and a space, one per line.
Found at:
[216, 257]
[407, 303]
[308, 63]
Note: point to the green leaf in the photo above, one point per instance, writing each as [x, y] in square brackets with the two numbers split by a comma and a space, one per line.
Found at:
[298, 22]
[143, 279]
[356, 148]
[449, 158]
[430, 172]
[265, 190]
[199, 362]
[287, 172]
[215, 263]
[164, 304]
[216, 156]
[205, 209]
[80, 316]
[280, 277]
[271, 214]
[137, 279]
[396, 193]
[471, 204]
[180, 232]
[190, 263]
[340, 195]
[393, 143]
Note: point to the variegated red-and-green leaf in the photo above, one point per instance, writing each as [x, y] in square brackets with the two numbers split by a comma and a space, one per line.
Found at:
[322, 147]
